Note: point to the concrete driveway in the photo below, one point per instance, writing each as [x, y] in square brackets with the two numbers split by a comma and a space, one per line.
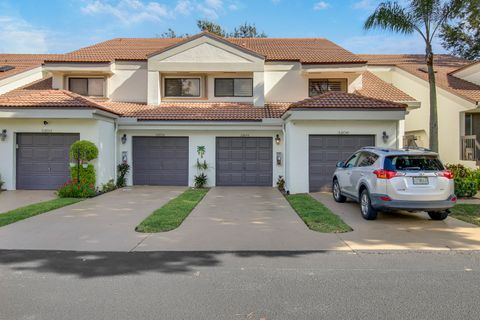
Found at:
[10, 200]
[103, 223]
[242, 218]
[402, 230]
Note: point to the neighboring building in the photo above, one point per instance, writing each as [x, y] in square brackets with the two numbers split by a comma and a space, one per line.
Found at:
[262, 108]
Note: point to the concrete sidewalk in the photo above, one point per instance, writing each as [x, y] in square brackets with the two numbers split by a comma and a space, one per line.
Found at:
[10, 200]
[103, 223]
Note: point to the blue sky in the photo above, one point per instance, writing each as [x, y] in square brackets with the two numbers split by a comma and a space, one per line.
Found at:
[57, 26]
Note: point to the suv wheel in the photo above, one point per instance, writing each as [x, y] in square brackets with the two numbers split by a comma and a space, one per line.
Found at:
[438, 215]
[368, 212]
[337, 194]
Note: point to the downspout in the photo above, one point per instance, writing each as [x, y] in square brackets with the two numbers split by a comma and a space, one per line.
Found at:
[115, 148]
[284, 131]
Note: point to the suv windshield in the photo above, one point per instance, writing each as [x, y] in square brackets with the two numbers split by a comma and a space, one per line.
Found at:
[413, 162]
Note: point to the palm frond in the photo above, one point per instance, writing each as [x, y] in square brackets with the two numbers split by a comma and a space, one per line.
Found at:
[391, 16]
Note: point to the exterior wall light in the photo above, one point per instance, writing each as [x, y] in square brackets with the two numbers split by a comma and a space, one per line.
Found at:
[385, 136]
[277, 139]
[3, 135]
[45, 123]
[124, 138]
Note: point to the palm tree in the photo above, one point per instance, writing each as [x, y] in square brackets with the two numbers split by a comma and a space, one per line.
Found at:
[424, 17]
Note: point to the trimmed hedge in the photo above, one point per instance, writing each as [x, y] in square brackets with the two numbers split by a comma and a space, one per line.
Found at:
[87, 175]
[83, 149]
[467, 181]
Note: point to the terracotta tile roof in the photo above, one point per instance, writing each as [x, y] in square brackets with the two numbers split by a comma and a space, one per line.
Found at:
[198, 111]
[374, 87]
[444, 65]
[40, 94]
[307, 50]
[334, 100]
[23, 62]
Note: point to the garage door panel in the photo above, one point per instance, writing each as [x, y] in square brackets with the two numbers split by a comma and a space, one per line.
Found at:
[244, 161]
[43, 160]
[325, 151]
[160, 161]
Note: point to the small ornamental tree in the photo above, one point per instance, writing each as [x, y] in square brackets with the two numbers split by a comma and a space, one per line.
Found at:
[84, 151]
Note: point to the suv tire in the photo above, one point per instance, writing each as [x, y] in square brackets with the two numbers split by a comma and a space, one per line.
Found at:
[438, 215]
[368, 212]
[337, 194]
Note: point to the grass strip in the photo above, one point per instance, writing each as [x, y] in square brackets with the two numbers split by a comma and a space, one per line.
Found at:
[172, 214]
[315, 215]
[467, 212]
[34, 209]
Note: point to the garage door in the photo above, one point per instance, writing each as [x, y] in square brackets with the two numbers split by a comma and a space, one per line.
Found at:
[326, 150]
[244, 161]
[160, 161]
[43, 160]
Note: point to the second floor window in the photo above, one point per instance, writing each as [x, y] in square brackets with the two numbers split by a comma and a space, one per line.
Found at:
[182, 87]
[87, 86]
[317, 87]
[233, 87]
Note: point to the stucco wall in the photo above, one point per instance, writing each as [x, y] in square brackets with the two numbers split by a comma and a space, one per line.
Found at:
[129, 82]
[98, 131]
[417, 121]
[286, 82]
[297, 146]
[199, 138]
[19, 80]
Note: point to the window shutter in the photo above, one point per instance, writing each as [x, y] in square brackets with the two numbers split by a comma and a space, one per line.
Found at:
[243, 87]
[78, 85]
[224, 87]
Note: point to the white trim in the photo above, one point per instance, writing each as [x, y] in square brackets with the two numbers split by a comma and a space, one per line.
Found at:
[306, 115]
[42, 113]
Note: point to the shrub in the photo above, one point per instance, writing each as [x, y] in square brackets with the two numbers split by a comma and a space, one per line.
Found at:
[466, 187]
[107, 187]
[200, 180]
[84, 151]
[459, 170]
[74, 189]
[281, 183]
[86, 174]
[122, 169]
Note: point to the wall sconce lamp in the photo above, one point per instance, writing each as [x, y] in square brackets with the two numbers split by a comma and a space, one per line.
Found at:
[277, 139]
[45, 123]
[3, 135]
[385, 136]
[124, 138]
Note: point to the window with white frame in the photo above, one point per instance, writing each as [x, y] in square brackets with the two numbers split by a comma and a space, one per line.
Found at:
[317, 87]
[94, 87]
[233, 87]
[182, 87]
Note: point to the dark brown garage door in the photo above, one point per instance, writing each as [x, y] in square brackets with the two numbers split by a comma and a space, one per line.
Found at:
[42, 160]
[243, 161]
[160, 161]
[326, 150]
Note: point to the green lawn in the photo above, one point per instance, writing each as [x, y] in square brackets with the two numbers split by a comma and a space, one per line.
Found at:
[172, 214]
[34, 209]
[467, 212]
[315, 215]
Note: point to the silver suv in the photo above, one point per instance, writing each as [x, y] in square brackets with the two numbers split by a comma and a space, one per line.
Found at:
[384, 179]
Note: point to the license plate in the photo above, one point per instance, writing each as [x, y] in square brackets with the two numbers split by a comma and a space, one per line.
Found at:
[420, 180]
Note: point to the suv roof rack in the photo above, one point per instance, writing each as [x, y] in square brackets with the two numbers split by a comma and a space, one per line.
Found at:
[376, 148]
[407, 148]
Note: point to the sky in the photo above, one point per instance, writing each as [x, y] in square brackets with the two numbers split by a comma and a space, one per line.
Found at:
[59, 26]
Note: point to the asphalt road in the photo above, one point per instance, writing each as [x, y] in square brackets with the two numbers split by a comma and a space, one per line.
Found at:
[239, 285]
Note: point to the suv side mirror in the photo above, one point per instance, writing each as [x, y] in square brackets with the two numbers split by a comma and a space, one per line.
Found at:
[340, 164]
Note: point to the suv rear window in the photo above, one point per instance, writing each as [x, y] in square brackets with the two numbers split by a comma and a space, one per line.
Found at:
[413, 162]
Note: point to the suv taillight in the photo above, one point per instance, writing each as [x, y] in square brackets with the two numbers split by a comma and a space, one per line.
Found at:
[385, 174]
[446, 174]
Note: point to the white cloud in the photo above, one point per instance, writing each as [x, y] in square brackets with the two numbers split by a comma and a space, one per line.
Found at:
[19, 36]
[321, 5]
[365, 4]
[129, 11]
[184, 7]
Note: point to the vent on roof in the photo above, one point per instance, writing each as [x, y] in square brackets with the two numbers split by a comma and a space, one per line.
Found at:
[424, 69]
[6, 68]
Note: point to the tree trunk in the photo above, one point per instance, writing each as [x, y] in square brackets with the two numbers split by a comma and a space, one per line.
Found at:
[433, 136]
